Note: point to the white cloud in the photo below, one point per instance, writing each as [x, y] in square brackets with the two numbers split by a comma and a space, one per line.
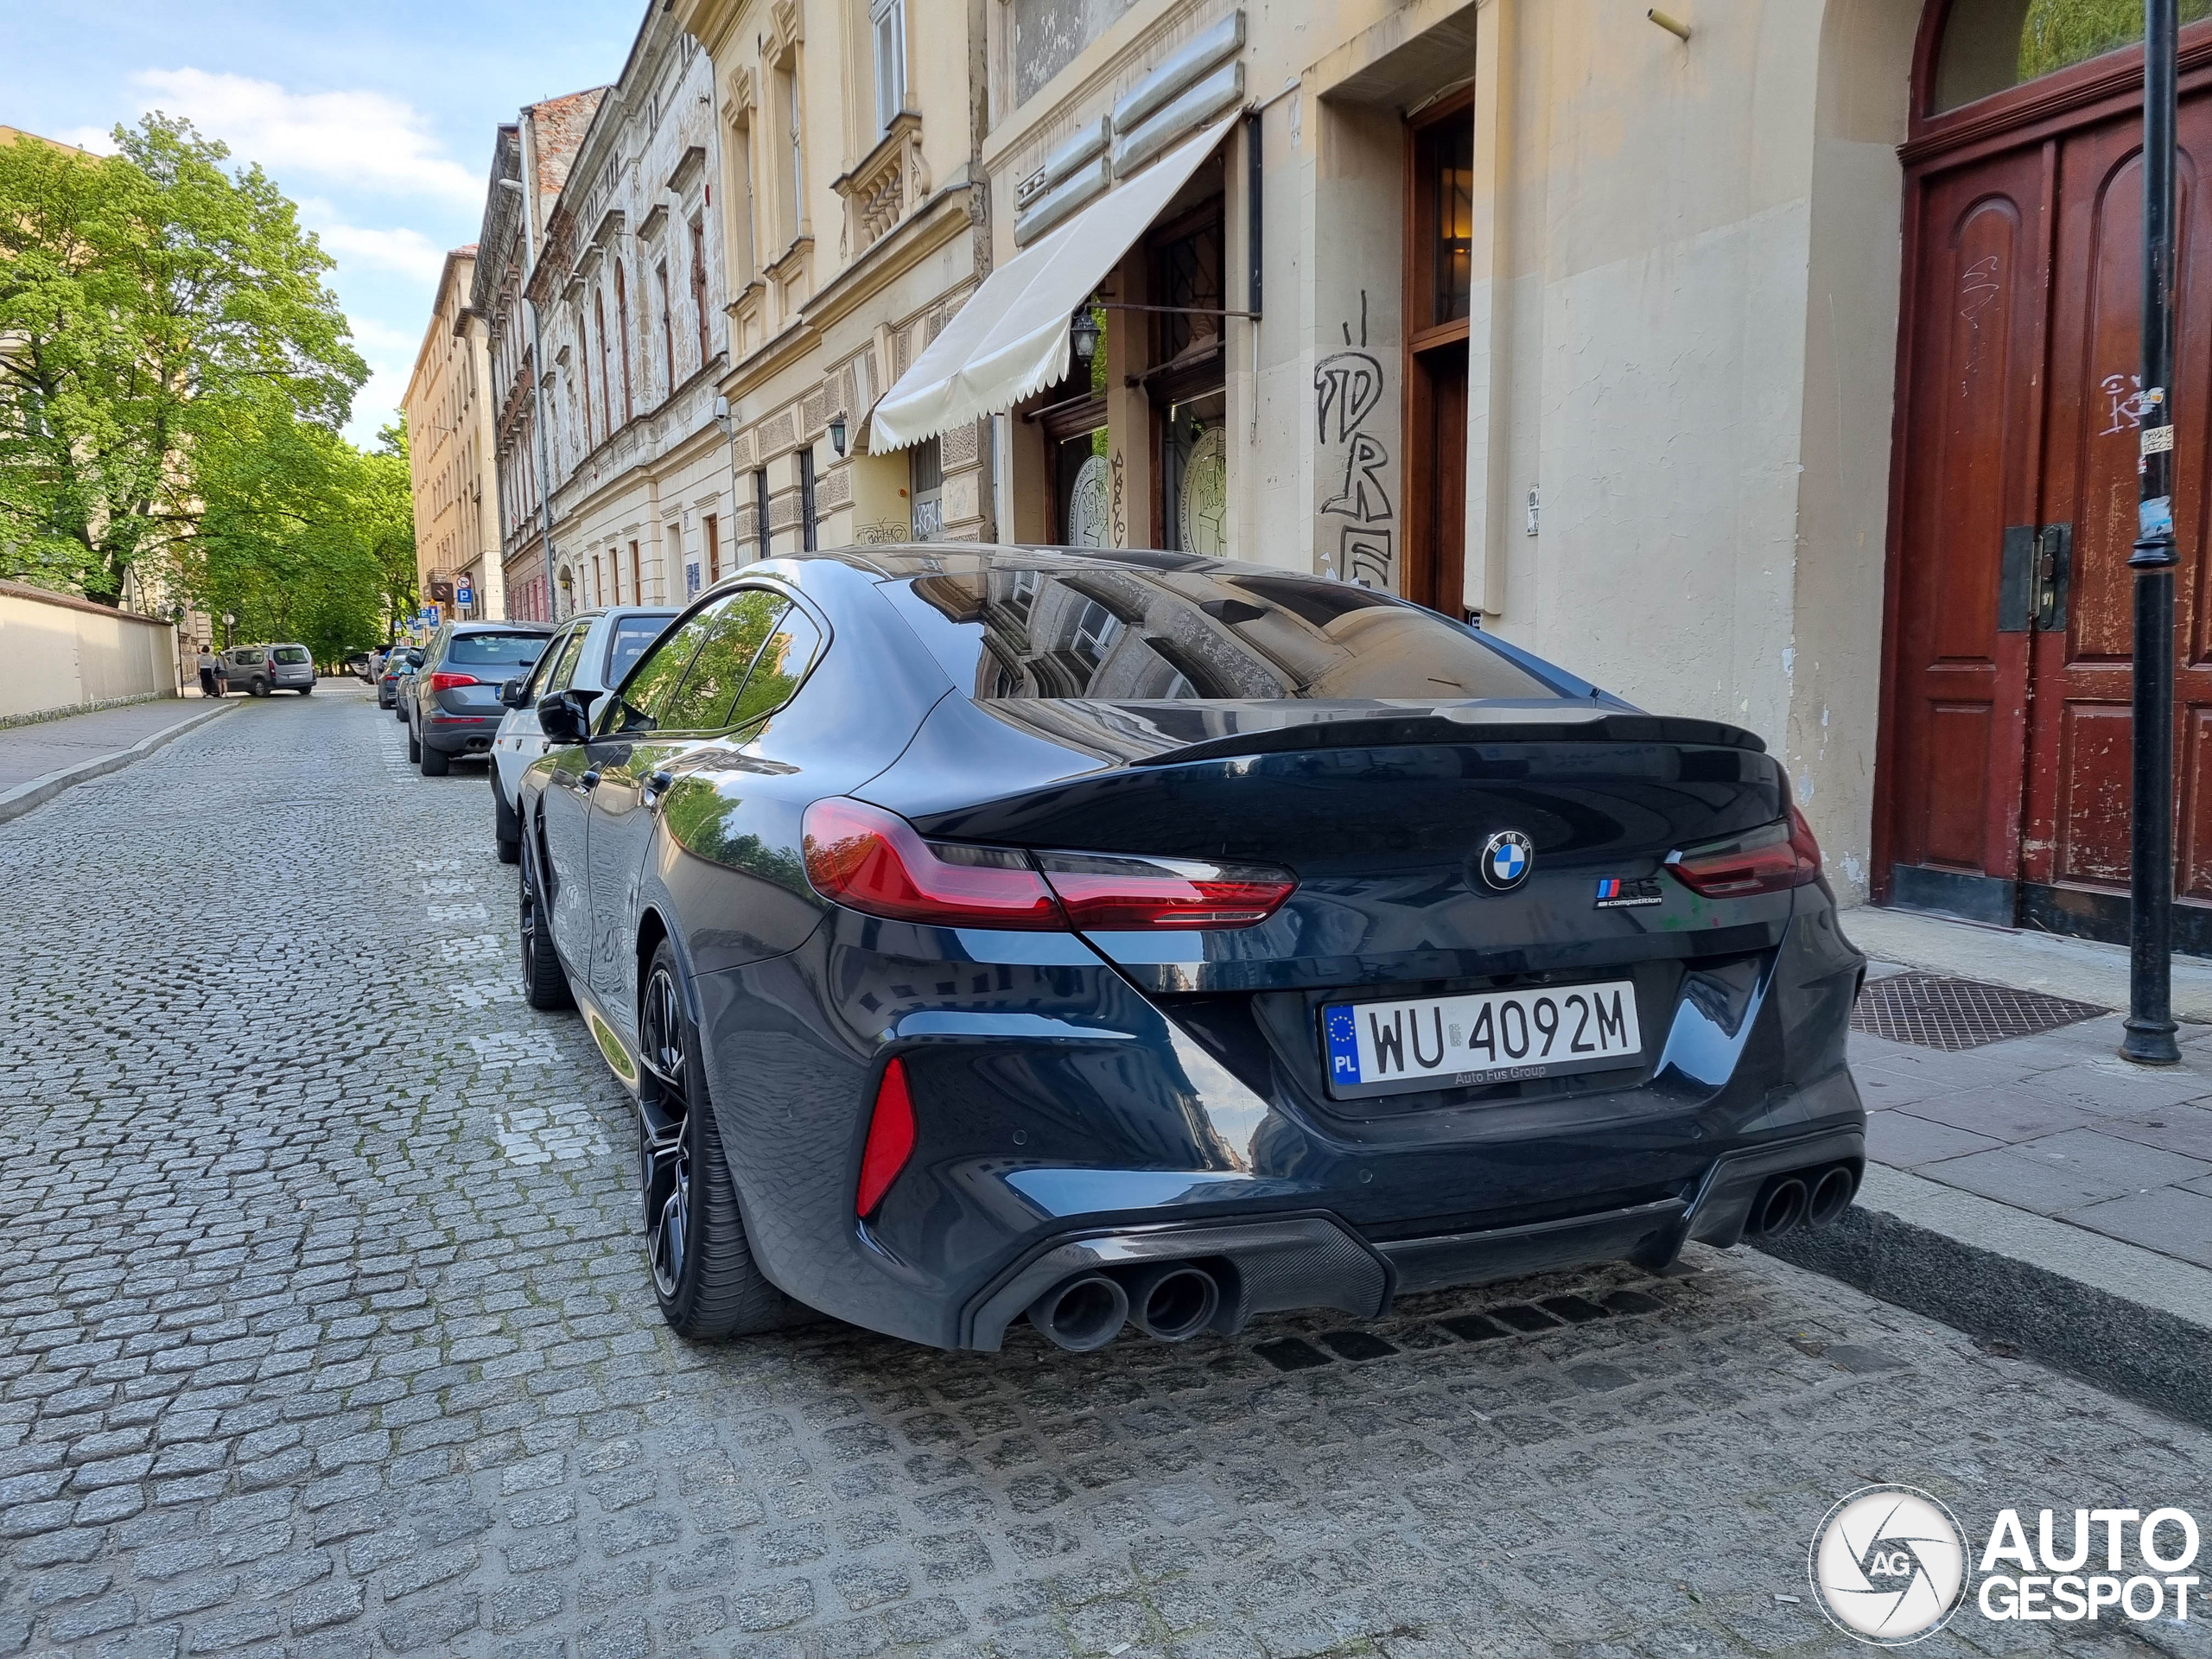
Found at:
[100, 140]
[365, 140]
[409, 252]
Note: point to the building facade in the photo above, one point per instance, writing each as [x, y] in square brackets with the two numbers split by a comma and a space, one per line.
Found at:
[623, 285]
[1772, 363]
[530, 161]
[450, 453]
[854, 224]
[1720, 362]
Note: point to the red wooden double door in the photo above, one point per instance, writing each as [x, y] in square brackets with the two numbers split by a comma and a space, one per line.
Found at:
[2005, 785]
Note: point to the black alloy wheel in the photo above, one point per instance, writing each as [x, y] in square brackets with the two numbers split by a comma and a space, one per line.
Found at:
[545, 986]
[704, 1275]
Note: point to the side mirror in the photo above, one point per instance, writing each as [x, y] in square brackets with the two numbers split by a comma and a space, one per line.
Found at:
[510, 694]
[562, 717]
[415, 659]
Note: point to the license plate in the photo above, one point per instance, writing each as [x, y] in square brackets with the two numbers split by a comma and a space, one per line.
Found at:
[1483, 1036]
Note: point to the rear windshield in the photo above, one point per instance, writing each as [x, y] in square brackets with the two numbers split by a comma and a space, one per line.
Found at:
[495, 649]
[1120, 634]
[632, 635]
[291, 653]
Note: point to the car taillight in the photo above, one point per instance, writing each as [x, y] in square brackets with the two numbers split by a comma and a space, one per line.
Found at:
[874, 861]
[1772, 858]
[1104, 892]
[890, 1139]
[442, 681]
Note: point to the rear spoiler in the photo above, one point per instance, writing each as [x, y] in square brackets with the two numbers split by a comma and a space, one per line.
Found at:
[1398, 731]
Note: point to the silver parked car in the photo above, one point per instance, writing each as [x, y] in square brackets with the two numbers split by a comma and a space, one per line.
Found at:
[592, 652]
[260, 670]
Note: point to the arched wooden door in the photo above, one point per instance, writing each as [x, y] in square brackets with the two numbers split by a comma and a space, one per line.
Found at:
[2005, 791]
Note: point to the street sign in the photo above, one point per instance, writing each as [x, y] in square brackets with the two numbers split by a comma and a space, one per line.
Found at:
[463, 594]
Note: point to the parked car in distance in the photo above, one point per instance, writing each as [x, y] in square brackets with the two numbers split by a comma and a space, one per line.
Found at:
[986, 933]
[360, 665]
[591, 652]
[259, 669]
[452, 704]
[398, 663]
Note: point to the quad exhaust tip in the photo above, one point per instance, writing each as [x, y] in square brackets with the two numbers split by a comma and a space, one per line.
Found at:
[1174, 1301]
[1809, 1197]
[1169, 1301]
[1081, 1314]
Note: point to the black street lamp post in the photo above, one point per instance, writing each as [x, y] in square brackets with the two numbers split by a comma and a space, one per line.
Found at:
[2150, 1038]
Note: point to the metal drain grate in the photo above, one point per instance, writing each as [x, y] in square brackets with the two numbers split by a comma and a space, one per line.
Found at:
[1934, 1011]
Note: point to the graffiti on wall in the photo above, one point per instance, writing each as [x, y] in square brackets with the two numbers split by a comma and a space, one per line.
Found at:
[1347, 389]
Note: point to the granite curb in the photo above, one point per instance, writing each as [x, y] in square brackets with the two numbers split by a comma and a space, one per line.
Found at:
[2123, 1318]
[37, 791]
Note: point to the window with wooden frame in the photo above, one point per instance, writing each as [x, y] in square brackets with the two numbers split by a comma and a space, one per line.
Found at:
[605, 392]
[1187, 382]
[712, 526]
[636, 576]
[887, 26]
[1438, 281]
[622, 332]
[667, 325]
[699, 287]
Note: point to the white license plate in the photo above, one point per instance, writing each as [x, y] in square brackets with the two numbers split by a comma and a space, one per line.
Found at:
[1484, 1037]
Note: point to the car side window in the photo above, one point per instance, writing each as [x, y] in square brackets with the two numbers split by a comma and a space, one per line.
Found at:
[541, 673]
[725, 657]
[636, 707]
[790, 651]
[571, 652]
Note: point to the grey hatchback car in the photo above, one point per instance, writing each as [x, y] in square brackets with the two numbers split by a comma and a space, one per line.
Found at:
[452, 704]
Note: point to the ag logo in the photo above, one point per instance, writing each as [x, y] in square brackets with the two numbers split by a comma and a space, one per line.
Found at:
[1889, 1565]
[1505, 859]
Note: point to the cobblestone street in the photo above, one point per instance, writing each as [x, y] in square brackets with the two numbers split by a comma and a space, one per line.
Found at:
[324, 1331]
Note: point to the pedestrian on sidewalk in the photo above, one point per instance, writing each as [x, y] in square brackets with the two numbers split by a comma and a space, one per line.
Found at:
[217, 675]
[206, 672]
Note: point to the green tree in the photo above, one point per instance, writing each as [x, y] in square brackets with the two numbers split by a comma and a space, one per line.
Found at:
[156, 308]
[301, 536]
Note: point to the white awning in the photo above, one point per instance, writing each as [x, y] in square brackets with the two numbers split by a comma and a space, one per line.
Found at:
[1011, 337]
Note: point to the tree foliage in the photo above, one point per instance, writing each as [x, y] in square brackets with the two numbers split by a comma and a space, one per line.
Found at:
[174, 374]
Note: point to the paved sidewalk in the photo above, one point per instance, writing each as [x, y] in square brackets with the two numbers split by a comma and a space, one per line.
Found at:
[2057, 1125]
[2040, 1191]
[51, 746]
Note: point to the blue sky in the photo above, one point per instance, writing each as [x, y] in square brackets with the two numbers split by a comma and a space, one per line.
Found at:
[377, 118]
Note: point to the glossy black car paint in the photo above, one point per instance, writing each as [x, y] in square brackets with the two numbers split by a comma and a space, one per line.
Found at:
[1067, 1087]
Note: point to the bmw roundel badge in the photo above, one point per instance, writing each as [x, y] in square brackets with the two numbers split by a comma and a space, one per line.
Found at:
[1506, 859]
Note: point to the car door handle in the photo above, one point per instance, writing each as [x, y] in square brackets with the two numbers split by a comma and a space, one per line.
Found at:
[590, 779]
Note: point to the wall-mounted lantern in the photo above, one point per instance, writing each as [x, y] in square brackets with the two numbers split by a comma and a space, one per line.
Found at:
[838, 432]
[1083, 333]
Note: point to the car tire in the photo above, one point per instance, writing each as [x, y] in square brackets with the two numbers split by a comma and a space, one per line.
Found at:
[545, 986]
[435, 762]
[398, 712]
[704, 1275]
[414, 749]
[307, 690]
[259, 688]
[506, 829]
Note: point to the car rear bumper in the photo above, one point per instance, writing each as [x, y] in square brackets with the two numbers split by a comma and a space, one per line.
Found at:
[1058, 1107]
[458, 734]
[1280, 1262]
